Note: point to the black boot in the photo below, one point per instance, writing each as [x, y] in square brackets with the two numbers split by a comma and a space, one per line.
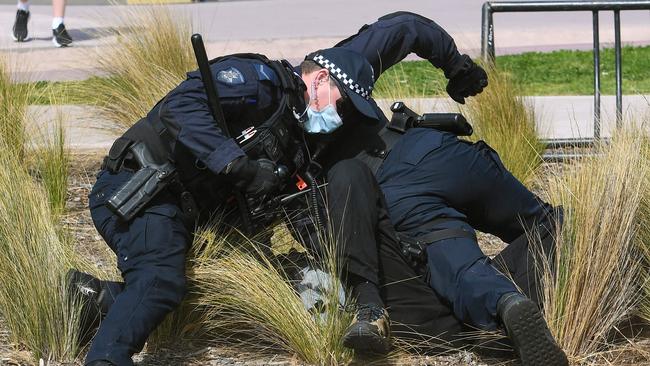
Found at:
[528, 332]
[369, 332]
[85, 289]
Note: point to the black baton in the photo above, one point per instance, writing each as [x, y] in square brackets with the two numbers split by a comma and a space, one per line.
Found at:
[217, 114]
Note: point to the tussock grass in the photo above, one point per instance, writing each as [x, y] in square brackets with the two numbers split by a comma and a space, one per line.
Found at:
[150, 57]
[247, 298]
[643, 237]
[35, 251]
[506, 121]
[33, 262]
[14, 99]
[51, 160]
[596, 285]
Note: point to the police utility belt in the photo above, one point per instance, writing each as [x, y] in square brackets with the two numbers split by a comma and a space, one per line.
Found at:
[152, 174]
[414, 248]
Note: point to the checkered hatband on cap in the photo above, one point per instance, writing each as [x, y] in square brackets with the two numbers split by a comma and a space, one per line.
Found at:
[343, 77]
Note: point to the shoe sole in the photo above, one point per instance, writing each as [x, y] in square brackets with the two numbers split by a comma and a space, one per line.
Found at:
[531, 337]
[60, 45]
[365, 342]
[13, 36]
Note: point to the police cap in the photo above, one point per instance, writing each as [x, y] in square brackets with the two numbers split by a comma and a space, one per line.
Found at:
[353, 73]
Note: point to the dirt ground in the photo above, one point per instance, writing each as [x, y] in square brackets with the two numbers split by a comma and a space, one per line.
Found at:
[91, 245]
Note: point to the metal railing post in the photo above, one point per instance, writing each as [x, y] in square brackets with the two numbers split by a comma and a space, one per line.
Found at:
[619, 69]
[487, 34]
[596, 76]
[488, 42]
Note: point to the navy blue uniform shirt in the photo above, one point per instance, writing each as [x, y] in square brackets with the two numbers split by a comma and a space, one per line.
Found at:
[249, 92]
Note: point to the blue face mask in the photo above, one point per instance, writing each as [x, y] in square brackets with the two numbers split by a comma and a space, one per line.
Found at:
[324, 121]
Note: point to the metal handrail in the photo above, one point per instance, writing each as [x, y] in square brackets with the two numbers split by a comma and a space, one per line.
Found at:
[487, 37]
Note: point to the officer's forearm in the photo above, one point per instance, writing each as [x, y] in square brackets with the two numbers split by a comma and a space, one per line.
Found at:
[394, 36]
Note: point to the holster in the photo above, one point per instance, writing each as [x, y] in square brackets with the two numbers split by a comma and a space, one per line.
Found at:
[414, 248]
[116, 155]
[144, 185]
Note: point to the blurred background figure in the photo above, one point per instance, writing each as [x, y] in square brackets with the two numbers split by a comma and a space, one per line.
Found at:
[60, 37]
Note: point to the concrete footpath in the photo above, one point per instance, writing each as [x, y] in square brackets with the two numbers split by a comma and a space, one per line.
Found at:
[558, 117]
[292, 28]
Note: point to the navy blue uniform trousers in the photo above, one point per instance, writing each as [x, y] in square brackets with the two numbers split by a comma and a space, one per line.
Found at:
[430, 175]
[150, 253]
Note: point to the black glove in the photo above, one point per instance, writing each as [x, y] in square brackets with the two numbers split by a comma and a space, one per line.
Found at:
[254, 177]
[469, 80]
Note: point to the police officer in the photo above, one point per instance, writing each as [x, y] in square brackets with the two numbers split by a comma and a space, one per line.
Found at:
[331, 87]
[438, 189]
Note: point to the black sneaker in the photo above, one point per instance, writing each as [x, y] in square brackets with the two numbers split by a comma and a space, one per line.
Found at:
[60, 37]
[527, 329]
[85, 289]
[20, 26]
[369, 332]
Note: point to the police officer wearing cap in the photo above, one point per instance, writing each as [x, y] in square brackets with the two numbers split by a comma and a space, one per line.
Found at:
[438, 189]
[328, 97]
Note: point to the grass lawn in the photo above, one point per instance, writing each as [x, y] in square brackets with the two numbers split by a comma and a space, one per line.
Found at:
[552, 73]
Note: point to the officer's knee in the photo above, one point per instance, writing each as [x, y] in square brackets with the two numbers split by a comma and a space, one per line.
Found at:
[169, 285]
[349, 173]
[176, 285]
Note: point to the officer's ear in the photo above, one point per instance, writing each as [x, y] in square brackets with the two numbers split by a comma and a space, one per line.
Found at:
[322, 76]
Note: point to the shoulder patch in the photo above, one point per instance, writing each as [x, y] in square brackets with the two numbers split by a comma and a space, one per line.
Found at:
[231, 76]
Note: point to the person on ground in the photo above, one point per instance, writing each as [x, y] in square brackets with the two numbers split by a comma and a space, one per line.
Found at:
[60, 36]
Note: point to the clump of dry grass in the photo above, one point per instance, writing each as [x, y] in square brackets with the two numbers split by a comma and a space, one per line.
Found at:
[33, 262]
[35, 251]
[150, 57]
[596, 284]
[643, 237]
[244, 294]
[50, 159]
[506, 121]
[14, 98]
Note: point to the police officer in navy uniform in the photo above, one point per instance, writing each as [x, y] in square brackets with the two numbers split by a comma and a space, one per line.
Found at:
[332, 103]
[438, 190]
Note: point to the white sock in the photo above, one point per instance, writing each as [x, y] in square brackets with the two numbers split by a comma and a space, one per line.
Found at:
[56, 21]
[23, 6]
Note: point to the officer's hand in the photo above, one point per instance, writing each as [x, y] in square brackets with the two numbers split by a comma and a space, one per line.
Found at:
[468, 81]
[254, 177]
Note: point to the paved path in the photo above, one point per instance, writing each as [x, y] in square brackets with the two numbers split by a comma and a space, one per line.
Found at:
[559, 117]
[292, 28]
